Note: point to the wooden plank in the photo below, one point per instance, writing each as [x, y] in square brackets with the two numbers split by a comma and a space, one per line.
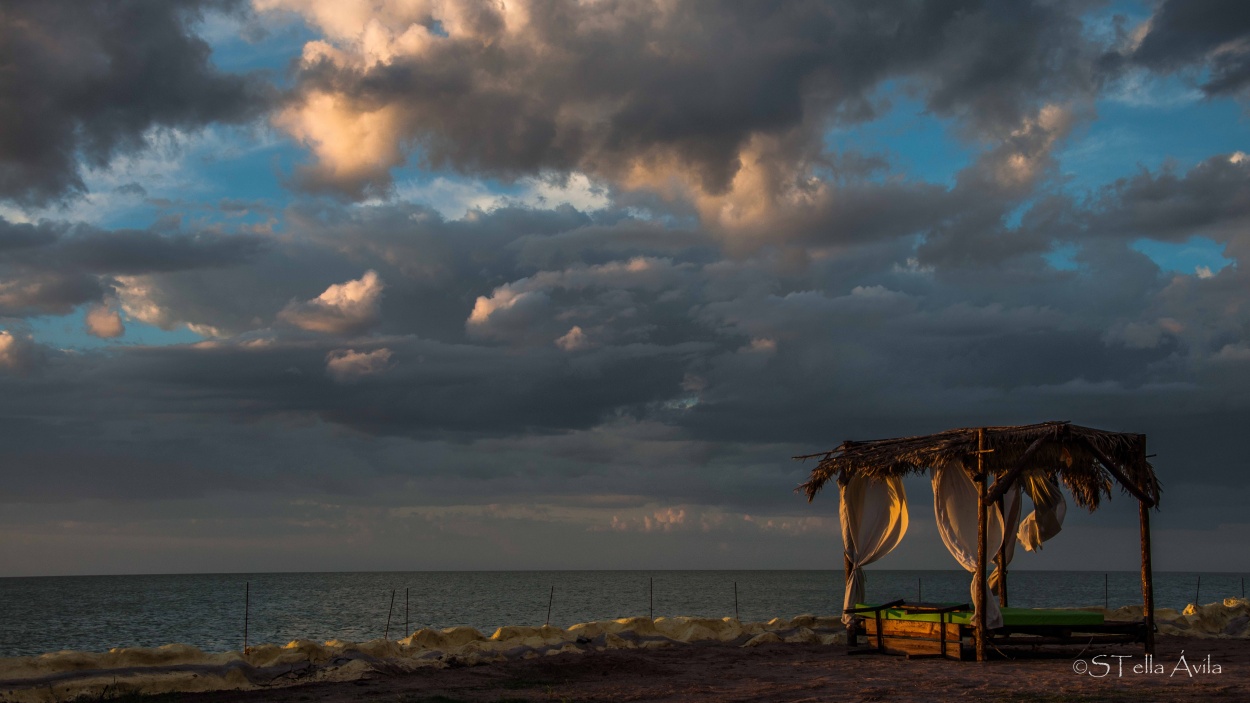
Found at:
[1029, 640]
[920, 648]
[917, 638]
[914, 628]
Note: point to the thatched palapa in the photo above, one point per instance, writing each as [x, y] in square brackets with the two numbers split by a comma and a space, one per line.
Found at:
[1083, 459]
[1087, 461]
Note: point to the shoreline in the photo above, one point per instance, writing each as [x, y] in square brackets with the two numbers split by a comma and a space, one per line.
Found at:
[182, 669]
[768, 673]
[176, 668]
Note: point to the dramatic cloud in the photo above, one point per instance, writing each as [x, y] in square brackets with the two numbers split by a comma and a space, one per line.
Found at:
[18, 353]
[52, 267]
[347, 365]
[1213, 35]
[85, 81]
[722, 101]
[634, 256]
[344, 308]
[104, 322]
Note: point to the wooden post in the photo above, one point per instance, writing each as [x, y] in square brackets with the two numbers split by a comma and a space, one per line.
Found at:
[1147, 578]
[386, 635]
[1000, 559]
[847, 567]
[978, 591]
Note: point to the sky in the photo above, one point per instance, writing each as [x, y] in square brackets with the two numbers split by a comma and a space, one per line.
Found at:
[320, 285]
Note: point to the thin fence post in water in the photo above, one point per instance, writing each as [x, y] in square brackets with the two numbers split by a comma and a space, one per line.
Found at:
[651, 607]
[247, 592]
[550, 599]
[1198, 589]
[407, 631]
[1243, 587]
[736, 602]
[1106, 592]
[387, 634]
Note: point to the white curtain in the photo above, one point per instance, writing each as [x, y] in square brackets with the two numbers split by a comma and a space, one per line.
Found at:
[1011, 515]
[1049, 509]
[955, 505]
[874, 520]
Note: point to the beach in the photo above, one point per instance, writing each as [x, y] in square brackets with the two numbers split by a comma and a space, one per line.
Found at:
[1201, 655]
[784, 672]
[793, 672]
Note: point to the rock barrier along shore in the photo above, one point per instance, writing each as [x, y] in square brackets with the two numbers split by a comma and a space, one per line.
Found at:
[69, 675]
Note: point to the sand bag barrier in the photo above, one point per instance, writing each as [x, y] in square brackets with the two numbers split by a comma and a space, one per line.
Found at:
[71, 675]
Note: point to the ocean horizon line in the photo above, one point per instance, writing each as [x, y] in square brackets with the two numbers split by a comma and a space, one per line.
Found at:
[868, 569]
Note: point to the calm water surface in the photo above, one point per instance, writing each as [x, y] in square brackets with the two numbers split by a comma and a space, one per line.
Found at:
[95, 613]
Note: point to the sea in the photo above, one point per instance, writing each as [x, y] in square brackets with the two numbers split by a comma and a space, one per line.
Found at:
[211, 611]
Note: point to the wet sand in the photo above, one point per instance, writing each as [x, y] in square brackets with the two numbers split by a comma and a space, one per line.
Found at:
[791, 672]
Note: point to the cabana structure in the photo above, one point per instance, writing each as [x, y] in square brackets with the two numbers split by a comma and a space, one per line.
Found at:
[979, 475]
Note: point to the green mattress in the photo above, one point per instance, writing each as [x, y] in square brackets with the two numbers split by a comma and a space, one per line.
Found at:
[1011, 616]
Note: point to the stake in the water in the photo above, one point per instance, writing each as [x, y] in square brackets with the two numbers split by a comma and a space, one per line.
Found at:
[651, 607]
[736, 601]
[406, 626]
[1106, 593]
[247, 589]
[387, 634]
[550, 599]
[1198, 589]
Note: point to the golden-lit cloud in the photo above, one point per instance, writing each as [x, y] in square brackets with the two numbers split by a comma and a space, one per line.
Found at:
[344, 308]
[351, 143]
[347, 365]
[104, 321]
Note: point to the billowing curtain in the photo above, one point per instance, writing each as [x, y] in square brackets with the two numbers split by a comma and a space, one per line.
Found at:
[1011, 514]
[1049, 509]
[874, 520]
[955, 505]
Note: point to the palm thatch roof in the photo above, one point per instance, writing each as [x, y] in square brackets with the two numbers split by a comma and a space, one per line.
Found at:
[1084, 459]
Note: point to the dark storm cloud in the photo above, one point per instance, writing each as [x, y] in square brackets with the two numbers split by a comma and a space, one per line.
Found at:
[51, 267]
[88, 80]
[1211, 199]
[611, 86]
[1206, 34]
[434, 269]
[20, 355]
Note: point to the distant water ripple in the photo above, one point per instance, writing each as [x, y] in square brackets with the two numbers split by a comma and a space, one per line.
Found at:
[95, 613]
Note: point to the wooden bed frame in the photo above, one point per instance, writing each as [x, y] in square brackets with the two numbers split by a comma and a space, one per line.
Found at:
[915, 639]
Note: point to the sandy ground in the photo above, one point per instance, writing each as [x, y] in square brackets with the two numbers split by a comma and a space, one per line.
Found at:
[795, 672]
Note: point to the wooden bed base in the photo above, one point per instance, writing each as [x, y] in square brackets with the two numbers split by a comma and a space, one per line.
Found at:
[915, 639]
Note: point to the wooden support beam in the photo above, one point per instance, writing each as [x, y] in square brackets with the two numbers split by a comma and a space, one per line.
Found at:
[1000, 559]
[1115, 471]
[978, 590]
[1001, 485]
[847, 566]
[1147, 578]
